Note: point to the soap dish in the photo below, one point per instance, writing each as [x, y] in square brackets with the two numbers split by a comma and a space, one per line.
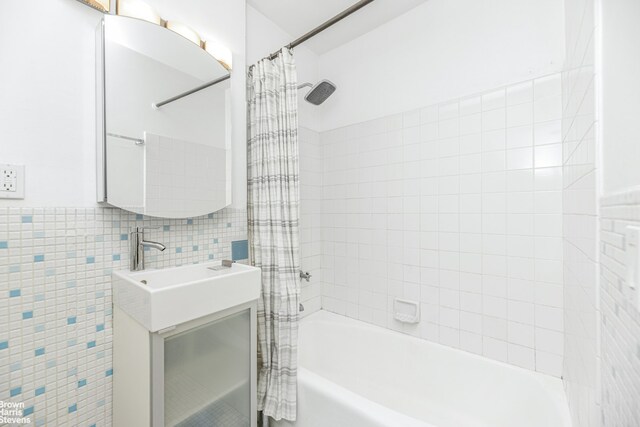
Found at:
[406, 311]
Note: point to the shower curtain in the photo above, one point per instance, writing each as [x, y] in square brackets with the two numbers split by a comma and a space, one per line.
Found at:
[273, 204]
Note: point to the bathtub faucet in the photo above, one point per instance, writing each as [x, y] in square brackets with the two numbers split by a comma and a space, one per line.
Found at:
[305, 275]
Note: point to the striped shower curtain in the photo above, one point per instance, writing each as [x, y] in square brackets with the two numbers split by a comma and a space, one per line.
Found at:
[273, 204]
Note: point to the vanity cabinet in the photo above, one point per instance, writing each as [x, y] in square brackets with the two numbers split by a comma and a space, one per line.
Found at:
[199, 373]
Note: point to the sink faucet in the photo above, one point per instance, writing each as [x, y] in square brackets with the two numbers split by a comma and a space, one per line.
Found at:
[136, 237]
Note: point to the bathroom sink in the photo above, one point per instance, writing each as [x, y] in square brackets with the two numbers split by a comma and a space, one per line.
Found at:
[160, 299]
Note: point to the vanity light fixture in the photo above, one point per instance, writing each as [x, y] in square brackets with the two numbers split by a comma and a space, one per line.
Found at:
[141, 10]
[101, 5]
[185, 31]
[137, 9]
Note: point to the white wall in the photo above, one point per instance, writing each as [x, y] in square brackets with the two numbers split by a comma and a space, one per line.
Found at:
[441, 50]
[265, 37]
[47, 106]
[620, 94]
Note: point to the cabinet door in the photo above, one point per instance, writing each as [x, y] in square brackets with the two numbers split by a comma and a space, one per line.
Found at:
[207, 374]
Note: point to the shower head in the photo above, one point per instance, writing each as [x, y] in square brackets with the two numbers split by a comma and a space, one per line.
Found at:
[319, 92]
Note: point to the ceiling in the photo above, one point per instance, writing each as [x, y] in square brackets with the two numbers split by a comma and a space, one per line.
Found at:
[297, 17]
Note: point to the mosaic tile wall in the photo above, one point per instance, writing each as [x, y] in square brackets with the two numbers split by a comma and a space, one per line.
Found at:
[619, 306]
[55, 300]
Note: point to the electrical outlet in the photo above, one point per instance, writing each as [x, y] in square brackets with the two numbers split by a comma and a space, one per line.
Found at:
[11, 181]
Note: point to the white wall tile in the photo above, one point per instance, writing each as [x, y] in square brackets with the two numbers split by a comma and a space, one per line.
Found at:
[446, 209]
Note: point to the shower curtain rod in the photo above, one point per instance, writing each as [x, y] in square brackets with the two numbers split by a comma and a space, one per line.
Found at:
[339, 17]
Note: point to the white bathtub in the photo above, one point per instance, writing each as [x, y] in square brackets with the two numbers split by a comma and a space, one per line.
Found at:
[353, 374]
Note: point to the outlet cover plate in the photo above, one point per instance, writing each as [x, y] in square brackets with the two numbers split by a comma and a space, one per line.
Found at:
[11, 181]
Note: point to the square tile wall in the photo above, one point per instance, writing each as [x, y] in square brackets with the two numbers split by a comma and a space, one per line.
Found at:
[55, 300]
[580, 220]
[310, 218]
[457, 206]
[620, 311]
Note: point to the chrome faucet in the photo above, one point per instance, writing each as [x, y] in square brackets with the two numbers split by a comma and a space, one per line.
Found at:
[136, 237]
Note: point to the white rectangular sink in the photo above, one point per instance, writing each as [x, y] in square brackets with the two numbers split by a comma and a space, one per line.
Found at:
[159, 299]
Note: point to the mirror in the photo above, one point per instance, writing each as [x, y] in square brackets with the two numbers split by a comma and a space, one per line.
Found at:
[164, 128]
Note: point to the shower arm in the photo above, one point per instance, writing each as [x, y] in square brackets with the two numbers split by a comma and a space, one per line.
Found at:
[300, 86]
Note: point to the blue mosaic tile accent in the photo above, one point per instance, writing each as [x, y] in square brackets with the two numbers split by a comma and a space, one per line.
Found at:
[15, 391]
[104, 239]
[139, 217]
[27, 219]
[178, 250]
[239, 250]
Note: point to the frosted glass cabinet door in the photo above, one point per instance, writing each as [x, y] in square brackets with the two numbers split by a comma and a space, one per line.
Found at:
[207, 374]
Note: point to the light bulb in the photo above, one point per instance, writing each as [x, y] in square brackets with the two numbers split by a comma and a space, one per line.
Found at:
[185, 31]
[138, 9]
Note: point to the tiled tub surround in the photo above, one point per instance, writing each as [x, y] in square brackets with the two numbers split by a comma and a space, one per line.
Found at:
[458, 206]
[580, 231]
[620, 327]
[310, 218]
[55, 304]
